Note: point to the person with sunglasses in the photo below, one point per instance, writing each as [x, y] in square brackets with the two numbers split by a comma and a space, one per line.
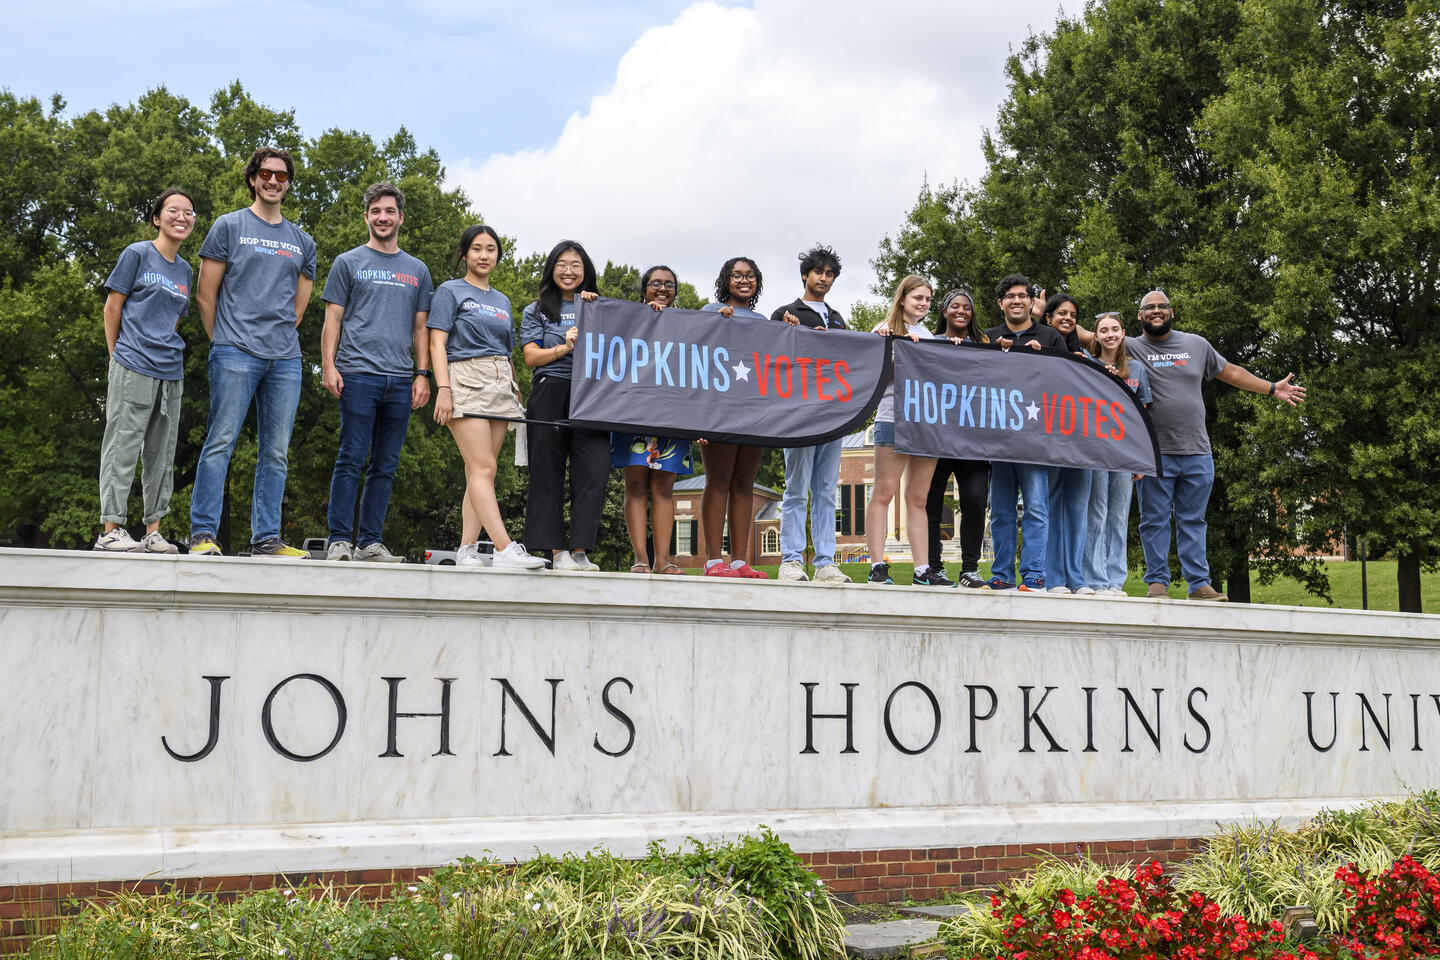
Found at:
[149, 292]
[256, 273]
[651, 464]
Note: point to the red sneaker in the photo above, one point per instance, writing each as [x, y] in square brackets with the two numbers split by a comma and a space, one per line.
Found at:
[745, 570]
[721, 569]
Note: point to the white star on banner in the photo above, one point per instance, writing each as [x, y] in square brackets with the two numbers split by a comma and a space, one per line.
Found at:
[1033, 410]
[742, 372]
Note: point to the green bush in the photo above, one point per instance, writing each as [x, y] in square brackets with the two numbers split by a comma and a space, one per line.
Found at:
[746, 900]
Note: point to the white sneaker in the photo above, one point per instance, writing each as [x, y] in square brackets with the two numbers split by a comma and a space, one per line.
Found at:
[1114, 592]
[794, 570]
[117, 541]
[583, 563]
[830, 573]
[376, 553]
[1084, 591]
[564, 561]
[517, 556]
[154, 543]
[340, 550]
[469, 556]
[1059, 588]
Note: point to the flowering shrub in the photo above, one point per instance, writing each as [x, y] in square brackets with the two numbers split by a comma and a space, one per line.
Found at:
[1395, 915]
[1139, 919]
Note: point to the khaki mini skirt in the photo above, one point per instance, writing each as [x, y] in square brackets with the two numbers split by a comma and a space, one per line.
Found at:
[483, 386]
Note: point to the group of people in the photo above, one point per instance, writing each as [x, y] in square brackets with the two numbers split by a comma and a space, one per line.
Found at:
[388, 330]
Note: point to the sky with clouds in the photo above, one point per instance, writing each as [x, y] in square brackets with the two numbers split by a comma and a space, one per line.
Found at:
[651, 130]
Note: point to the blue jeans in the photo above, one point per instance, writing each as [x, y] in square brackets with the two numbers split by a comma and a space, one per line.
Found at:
[235, 379]
[1106, 553]
[1069, 517]
[812, 472]
[1009, 483]
[1183, 493]
[374, 415]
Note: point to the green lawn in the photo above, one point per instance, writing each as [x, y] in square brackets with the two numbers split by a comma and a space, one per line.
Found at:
[1344, 584]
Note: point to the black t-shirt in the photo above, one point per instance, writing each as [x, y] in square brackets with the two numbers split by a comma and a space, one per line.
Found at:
[1048, 336]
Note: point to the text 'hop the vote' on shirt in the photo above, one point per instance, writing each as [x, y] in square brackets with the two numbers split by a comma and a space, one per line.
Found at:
[263, 265]
[536, 328]
[480, 322]
[157, 295]
[381, 293]
[1177, 366]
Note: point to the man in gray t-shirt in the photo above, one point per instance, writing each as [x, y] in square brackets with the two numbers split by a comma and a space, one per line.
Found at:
[377, 299]
[1177, 364]
[256, 273]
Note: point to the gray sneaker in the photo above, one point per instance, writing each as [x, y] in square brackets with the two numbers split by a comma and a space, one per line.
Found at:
[340, 550]
[376, 553]
[154, 543]
[793, 570]
[117, 541]
[830, 573]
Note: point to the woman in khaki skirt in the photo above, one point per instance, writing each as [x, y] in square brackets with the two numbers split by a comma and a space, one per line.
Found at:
[472, 336]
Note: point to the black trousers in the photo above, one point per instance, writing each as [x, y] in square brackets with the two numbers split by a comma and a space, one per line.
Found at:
[550, 448]
[973, 479]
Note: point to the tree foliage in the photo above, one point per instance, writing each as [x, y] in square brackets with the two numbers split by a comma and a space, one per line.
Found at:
[1274, 167]
[75, 191]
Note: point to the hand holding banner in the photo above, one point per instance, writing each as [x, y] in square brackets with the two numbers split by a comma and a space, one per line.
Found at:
[978, 402]
[689, 373]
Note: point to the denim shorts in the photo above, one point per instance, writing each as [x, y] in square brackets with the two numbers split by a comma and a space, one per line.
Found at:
[884, 433]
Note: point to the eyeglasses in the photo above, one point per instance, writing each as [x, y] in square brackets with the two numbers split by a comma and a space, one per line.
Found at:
[1010, 297]
[280, 176]
[661, 284]
[1114, 314]
[177, 212]
[1155, 308]
[737, 277]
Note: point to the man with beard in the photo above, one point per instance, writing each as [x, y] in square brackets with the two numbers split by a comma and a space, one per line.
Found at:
[1178, 363]
[377, 299]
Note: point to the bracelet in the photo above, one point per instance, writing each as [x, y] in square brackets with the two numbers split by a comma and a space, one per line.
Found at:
[1272, 388]
[444, 386]
[422, 372]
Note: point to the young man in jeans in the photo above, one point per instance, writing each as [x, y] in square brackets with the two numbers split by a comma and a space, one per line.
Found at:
[814, 471]
[377, 299]
[1012, 482]
[256, 273]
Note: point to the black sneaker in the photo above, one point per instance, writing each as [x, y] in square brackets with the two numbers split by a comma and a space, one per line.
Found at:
[971, 579]
[932, 578]
[880, 573]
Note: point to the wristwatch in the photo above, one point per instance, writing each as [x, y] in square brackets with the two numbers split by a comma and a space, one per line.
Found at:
[422, 372]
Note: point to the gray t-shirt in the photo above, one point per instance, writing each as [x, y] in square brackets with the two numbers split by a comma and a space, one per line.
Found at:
[157, 295]
[381, 293]
[263, 265]
[480, 322]
[1177, 366]
[536, 328]
[714, 307]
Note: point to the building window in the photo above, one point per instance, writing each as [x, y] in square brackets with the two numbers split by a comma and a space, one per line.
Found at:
[684, 538]
[842, 516]
[862, 499]
[770, 541]
[725, 540]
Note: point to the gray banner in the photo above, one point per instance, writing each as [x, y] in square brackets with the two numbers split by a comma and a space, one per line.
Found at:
[689, 373]
[978, 402]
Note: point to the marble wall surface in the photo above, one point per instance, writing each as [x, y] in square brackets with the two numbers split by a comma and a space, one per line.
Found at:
[643, 706]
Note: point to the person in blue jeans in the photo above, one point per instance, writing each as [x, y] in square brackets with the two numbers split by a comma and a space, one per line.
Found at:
[256, 273]
[1068, 510]
[1011, 483]
[1106, 550]
[811, 472]
[377, 299]
[1177, 364]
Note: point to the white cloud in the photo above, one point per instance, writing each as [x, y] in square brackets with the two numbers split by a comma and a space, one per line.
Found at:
[759, 132]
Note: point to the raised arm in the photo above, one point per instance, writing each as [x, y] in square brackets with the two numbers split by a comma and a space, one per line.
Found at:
[1238, 376]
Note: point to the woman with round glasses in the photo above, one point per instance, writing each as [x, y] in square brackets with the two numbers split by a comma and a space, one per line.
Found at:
[149, 293]
[651, 464]
[548, 332]
[730, 468]
[972, 477]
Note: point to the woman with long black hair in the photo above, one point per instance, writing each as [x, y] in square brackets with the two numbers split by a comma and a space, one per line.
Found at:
[972, 477]
[548, 333]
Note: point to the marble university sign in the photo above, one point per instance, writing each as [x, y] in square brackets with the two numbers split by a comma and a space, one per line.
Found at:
[192, 717]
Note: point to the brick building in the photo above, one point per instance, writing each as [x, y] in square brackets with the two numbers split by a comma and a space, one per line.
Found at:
[688, 544]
